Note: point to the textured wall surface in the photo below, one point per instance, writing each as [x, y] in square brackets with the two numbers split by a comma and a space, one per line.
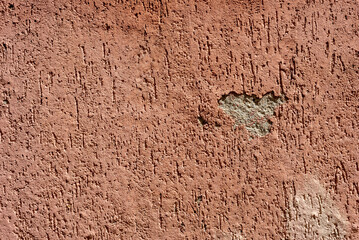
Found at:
[111, 128]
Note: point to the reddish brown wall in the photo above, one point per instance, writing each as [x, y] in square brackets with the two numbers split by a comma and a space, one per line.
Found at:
[99, 130]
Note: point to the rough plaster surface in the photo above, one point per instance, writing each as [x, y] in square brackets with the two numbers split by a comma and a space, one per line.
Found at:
[100, 105]
[252, 112]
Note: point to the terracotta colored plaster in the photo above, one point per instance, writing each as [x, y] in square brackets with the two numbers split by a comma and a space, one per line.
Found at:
[110, 126]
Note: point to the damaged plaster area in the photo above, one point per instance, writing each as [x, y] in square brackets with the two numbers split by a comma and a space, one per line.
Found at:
[311, 214]
[252, 112]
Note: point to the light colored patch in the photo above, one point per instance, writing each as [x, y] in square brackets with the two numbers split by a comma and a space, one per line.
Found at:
[228, 236]
[250, 111]
[312, 214]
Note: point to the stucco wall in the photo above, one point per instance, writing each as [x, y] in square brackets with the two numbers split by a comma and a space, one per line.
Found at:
[111, 125]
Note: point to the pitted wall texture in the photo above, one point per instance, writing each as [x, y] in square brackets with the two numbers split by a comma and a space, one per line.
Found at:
[110, 125]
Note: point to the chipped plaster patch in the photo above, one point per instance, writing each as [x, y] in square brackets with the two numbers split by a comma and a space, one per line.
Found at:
[252, 112]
